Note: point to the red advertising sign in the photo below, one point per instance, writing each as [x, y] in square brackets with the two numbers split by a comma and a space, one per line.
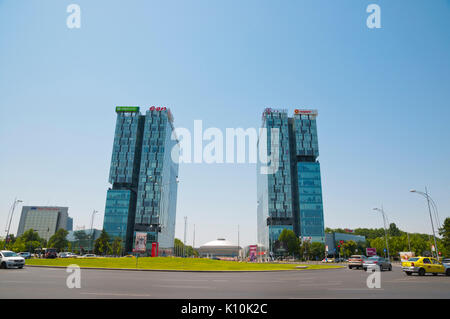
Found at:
[155, 249]
[157, 108]
[371, 252]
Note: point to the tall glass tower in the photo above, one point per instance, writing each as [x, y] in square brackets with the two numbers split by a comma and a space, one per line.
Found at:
[291, 197]
[143, 177]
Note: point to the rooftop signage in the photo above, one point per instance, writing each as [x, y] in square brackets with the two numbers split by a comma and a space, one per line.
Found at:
[120, 109]
[306, 112]
[158, 108]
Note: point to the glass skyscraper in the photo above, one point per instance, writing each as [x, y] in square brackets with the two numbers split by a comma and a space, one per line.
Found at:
[291, 197]
[143, 177]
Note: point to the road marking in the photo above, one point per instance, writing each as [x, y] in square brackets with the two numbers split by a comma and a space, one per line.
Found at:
[358, 289]
[112, 294]
[188, 287]
[178, 280]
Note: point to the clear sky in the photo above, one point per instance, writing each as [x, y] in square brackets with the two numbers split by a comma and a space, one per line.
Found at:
[382, 95]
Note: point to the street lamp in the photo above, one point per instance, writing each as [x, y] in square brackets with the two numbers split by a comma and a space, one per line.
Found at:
[92, 230]
[10, 219]
[431, 218]
[385, 231]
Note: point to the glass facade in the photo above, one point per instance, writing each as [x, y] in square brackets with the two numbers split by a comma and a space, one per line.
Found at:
[157, 190]
[143, 177]
[275, 204]
[126, 149]
[290, 198]
[310, 201]
[119, 212]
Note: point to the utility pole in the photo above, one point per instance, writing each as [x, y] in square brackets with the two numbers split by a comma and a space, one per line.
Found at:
[409, 242]
[92, 230]
[185, 227]
[10, 219]
[239, 250]
[432, 226]
[431, 218]
[193, 241]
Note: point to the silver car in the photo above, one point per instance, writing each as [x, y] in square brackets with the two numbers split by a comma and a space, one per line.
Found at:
[377, 262]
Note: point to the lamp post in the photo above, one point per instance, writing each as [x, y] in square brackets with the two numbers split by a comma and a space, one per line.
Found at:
[10, 219]
[92, 230]
[431, 218]
[385, 231]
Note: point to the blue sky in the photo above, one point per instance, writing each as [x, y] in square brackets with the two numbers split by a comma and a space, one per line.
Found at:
[382, 95]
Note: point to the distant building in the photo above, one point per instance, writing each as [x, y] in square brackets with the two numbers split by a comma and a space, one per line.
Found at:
[219, 248]
[46, 220]
[69, 224]
[332, 238]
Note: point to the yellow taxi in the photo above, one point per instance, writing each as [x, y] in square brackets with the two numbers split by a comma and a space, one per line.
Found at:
[424, 265]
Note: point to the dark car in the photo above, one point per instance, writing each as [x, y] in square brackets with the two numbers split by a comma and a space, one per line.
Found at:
[51, 253]
[377, 262]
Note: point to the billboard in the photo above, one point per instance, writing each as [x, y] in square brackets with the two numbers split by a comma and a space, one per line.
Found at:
[140, 243]
[371, 252]
[405, 255]
[252, 252]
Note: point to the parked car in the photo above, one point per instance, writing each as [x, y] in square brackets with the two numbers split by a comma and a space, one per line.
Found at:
[328, 260]
[356, 261]
[9, 259]
[50, 253]
[446, 261]
[377, 262]
[25, 254]
[424, 265]
[88, 255]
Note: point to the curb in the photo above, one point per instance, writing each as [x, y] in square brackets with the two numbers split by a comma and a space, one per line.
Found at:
[175, 270]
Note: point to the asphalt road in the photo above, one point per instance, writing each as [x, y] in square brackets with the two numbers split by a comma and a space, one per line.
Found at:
[331, 283]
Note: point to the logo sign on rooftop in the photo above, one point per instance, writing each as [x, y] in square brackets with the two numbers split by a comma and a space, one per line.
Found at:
[306, 112]
[121, 109]
[158, 108]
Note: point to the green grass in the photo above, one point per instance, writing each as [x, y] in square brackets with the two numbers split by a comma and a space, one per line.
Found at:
[168, 263]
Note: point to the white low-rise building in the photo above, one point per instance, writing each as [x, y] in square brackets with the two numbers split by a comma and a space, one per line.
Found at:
[219, 248]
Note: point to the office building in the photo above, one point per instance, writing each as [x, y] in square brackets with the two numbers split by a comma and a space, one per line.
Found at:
[291, 196]
[46, 220]
[144, 178]
[69, 224]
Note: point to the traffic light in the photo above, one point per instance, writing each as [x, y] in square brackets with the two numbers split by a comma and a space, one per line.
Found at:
[339, 246]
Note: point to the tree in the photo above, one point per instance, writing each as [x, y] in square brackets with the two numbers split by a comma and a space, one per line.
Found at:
[101, 245]
[59, 240]
[180, 249]
[305, 250]
[290, 241]
[445, 233]
[317, 250]
[116, 246]
[394, 231]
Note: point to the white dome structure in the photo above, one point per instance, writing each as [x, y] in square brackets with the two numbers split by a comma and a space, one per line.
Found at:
[219, 248]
